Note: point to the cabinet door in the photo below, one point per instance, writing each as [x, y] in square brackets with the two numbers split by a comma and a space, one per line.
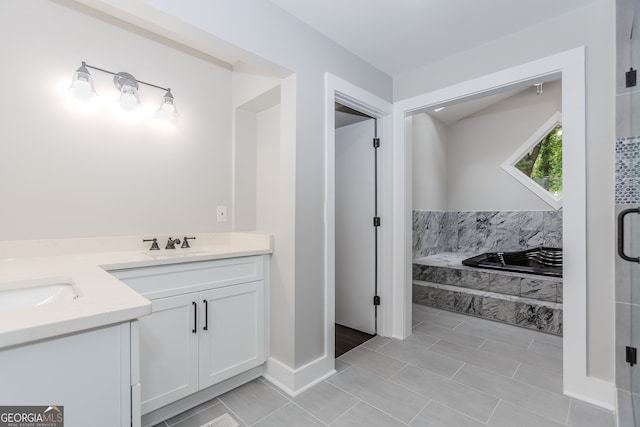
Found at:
[231, 331]
[168, 351]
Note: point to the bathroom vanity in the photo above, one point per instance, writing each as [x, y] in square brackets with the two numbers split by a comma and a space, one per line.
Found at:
[126, 333]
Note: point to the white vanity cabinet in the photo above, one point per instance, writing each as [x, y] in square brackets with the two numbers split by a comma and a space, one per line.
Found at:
[207, 325]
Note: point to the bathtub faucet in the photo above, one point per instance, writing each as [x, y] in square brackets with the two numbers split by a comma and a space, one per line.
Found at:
[501, 256]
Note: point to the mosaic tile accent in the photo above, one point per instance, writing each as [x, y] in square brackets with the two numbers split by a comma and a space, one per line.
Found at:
[473, 233]
[628, 170]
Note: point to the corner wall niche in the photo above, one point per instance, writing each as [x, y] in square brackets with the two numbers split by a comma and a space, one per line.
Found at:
[524, 163]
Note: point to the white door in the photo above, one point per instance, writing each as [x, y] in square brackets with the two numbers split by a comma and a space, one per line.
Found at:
[355, 209]
[168, 351]
[231, 331]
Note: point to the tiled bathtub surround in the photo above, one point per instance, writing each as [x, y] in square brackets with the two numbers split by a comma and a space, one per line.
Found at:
[528, 301]
[472, 233]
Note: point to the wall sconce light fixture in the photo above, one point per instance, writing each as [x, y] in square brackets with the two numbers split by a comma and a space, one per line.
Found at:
[82, 87]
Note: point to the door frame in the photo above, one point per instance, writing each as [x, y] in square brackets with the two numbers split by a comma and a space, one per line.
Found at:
[347, 94]
[570, 65]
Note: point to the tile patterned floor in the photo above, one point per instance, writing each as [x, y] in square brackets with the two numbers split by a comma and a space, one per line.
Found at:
[455, 371]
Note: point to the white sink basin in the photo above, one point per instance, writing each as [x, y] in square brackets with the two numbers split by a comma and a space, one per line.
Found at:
[32, 293]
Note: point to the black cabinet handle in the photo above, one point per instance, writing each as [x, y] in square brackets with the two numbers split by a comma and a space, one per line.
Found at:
[621, 234]
[206, 315]
[195, 317]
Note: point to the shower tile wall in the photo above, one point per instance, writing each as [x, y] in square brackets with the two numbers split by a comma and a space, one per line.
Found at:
[473, 232]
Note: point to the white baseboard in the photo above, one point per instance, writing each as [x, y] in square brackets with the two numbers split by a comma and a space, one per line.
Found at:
[595, 391]
[295, 381]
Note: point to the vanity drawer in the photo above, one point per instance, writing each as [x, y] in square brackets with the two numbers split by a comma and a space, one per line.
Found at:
[167, 280]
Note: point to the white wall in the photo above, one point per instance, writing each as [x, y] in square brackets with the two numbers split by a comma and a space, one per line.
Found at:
[478, 145]
[70, 172]
[592, 27]
[429, 157]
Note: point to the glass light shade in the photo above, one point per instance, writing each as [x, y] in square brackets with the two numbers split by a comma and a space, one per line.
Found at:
[82, 84]
[167, 110]
[129, 97]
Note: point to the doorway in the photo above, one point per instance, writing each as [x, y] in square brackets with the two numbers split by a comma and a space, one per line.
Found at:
[356, 185]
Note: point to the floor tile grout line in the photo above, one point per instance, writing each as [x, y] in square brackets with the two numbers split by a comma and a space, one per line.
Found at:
[373, 406]
[513, 377]
[235, 414]
[313, 416]
[273, 387]
[270, 413]
[458, 370]
[420, 411]
[347, 411]
[195, 413]
[530, 344]
[495, 408]
[481, 344]
[568, 412]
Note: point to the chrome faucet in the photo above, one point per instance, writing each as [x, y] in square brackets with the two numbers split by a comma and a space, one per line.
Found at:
[171, 243]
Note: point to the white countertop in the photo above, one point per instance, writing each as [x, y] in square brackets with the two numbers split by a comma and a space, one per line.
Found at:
[103, 300]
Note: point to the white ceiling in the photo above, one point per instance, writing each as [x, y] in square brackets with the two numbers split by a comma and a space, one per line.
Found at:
[396, 36]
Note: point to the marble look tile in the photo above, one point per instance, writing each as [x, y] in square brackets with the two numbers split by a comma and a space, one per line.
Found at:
[507, 240]
[450, 393]
[364, 415]
[531, 238]
[467, 219]
[555, 407]
[419, 293]
[422, 358]
[539, 289]
[289, 415]
[507, 220]
[437, 415]
[509, 415]
[325, 401]
[584, 415]
[436, 297]
[383, 394]
[560, 292]
[467, 303]
[372, 361]
[530, 220]
[447, 276]
[552, 239]
[420, 272]
[253, 401]
[499, 309]
[491, 282]
[552, 221]
[539, 317]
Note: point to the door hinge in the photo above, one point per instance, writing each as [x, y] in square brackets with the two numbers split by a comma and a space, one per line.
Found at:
[376, 142]
[376, 221]
[376, 300]
[632, 355]
[630, 77]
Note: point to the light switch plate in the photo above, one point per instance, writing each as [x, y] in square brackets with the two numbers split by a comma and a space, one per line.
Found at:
[222, 213]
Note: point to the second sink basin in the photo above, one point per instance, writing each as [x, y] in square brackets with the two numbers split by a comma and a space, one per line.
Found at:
[32, 293]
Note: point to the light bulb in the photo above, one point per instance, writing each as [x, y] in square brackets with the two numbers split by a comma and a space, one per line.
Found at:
[167, 110]
[82, 84]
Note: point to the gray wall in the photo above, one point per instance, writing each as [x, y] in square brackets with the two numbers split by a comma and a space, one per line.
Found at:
[593, 27]
[478, 145]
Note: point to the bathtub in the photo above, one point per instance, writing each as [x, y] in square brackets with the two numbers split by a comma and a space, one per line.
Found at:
[542, 261]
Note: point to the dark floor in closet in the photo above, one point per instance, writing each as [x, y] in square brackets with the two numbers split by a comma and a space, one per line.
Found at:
[347, 338]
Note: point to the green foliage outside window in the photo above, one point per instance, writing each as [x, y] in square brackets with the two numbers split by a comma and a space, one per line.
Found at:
[543, 163]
